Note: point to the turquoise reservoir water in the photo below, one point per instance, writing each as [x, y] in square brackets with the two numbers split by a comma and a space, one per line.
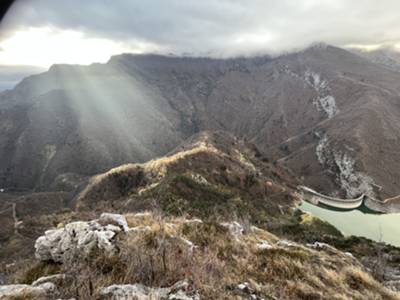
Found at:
[384, 227]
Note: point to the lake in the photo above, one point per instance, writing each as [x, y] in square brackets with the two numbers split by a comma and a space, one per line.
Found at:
[378, 227]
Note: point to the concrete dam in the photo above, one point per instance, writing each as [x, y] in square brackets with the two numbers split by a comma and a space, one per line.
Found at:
[389, 205]
[316, 198]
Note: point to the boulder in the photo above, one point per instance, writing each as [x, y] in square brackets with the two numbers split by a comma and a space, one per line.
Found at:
[234, 228]
[285, 243]
[179, 291]
[320, 246]
[132, 291]
[24, 291]
[263, 245]
[244, 289]
[119, 220]
[80, 238]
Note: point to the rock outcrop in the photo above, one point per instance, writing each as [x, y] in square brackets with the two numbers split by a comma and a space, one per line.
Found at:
[179, 291]
[80, 238]
[45, 290]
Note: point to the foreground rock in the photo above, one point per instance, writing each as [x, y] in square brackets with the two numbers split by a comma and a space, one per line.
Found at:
[179, 291]
[58, 245]
[45, 290]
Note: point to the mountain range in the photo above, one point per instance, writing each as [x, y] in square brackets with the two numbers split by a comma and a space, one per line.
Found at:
[180, 177]
[328, 116]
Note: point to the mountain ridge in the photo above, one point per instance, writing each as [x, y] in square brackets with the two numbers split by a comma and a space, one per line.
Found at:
[316, 111]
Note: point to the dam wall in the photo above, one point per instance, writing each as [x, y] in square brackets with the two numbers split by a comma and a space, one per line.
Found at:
[389, 205]
[317, 198]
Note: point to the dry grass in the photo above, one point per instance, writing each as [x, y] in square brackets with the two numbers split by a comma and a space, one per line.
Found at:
[122, 180]
[37, 270]
[158, 167]
[162, 251]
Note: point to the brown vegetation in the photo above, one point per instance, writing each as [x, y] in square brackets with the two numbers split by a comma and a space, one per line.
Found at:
[161, 251]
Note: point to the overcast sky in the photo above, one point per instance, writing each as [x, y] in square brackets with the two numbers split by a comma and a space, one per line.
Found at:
[43, 32]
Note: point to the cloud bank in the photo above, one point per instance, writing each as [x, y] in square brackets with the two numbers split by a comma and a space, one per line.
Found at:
[211, 27]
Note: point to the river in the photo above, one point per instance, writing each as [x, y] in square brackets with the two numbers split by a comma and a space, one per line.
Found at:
[378, 227]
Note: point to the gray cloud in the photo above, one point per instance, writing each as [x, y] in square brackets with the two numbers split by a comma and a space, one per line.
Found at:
[228, 27]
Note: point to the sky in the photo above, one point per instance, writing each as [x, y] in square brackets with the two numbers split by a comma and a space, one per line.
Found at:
[40, 33]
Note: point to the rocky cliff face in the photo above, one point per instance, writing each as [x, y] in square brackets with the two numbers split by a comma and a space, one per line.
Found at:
[85, 120]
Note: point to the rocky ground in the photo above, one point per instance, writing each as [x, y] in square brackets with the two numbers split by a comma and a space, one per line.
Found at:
[146, 256]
